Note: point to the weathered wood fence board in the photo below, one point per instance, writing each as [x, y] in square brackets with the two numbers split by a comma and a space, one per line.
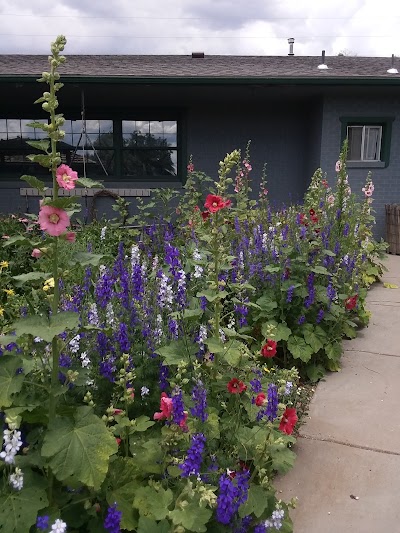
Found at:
[393, 227]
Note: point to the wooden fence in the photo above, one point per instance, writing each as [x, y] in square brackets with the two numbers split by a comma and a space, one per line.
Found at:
[393, 227]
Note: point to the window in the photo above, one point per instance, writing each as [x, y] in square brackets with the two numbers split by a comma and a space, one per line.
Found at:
[369, 140]
[149, 148]
[364, 143]
[122, 149]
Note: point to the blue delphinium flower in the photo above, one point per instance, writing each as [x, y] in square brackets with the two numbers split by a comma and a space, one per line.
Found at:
[301, 320]
[178, 407]
[289, 295]
[122, 338]
[272, 404]
[163, 377]
[112, 522]
[199, 397]
[42, 522]
[320, 316]
[226, 505]
[191, 465]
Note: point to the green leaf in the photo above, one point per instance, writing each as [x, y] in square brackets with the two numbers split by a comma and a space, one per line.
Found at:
[43, 145]
[349, 331]
[19, 510]
[282, 332]
[79, 449]
[193, 517]
[10, 381]
[153, 502]
[86, 259]
[315, 337]
[258, 500]
[32, 276]
[147, 525]
[45, 328]
[266, 303]
[142, 423]
[215, 345]
[282, 459]
[232, 353]
[148, 454]
[211, 295]
[333, 350]
[315, 372]
[88, 183]
[299, 348]
[320, 270]
[34, 182]
[16, 239]
[43, 160]
[174, 353]
[65, 202]
[193, 313]
[39, 125]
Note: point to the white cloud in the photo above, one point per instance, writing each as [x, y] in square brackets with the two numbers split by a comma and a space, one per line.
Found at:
[364, 27]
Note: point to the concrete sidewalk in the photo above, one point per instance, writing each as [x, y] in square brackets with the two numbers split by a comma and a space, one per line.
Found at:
[347, 472]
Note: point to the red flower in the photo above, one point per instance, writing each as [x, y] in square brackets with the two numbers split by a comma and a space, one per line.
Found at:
[312, 212]
[205, 215]
[269, 348]
[324, 183]
[235, 386]
[351, 302]
[260, 399]
[288, 420]
[303, 219]
[118, 440]
[214, 203]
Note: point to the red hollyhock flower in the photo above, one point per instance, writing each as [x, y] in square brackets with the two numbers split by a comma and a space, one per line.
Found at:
[269, 348]
[205, 215]
[351, 302]
[312, 212]
[236, 386]
[288, 421]
[303, 219]
[260, 399]
[214, 203]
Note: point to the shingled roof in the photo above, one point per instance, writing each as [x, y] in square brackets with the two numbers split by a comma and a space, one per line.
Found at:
[174, 67]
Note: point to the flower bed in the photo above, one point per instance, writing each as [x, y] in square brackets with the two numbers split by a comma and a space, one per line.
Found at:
[158, 391]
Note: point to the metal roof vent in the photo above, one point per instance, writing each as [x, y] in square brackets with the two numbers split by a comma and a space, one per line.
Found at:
[392, 69]
[291, 42]
[323, 65]
[197, 55]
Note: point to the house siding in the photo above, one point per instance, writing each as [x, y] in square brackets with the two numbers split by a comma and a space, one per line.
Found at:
[386, 180]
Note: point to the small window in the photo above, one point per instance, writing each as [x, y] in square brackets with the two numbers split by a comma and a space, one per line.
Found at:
[369, 140]
[364, 143]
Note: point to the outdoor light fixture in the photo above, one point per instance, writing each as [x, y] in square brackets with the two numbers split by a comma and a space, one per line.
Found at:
[291, 42]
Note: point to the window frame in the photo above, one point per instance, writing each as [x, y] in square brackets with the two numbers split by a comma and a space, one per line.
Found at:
[155, 114]
[385, 139]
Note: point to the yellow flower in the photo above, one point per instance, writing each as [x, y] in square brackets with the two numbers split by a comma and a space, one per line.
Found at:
[9, 292]
[48, 284]
[3, 264]
[1, 312]
[266, 369]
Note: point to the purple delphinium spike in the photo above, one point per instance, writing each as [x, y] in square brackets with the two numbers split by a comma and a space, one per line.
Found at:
[178, 407]
[191, 465]
[199, 397]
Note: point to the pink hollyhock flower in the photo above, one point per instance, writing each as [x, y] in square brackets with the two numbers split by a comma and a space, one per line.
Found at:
[288, 420]
[53, 220]
[70, 236]
[36, 253]
[182, 424]
[331, 199]
[190, 167]
[165, 408]
[269, 348]
[338, 166]
[66, 177]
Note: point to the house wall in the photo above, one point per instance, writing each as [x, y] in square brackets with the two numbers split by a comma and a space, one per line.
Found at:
[364, 103]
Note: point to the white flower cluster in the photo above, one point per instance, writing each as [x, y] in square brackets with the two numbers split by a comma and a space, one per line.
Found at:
[74, 344]
[12, 444]
[110, 315]
[276, 519]
[17, 479]
[165, 292]
[59, 526]
[85, 361]
[135, 255]
[93, 317]
[103, 233]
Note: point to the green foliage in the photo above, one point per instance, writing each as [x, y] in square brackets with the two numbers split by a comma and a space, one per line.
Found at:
[18, 510]
[79, 449]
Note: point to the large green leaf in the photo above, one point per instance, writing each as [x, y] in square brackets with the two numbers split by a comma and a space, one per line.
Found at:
[43, 160]
[10, 381]
[86, 259]
[40, 145]
[61, 203]
[299, 348]
[32, 276]
[34, 182]
[88, 183]
[258, 500]
[79, 448]
[147, 525]
[174, 353]
[46, 328]
[282, 332]
[19, 510]
[193, 517]
[153, 502]
[333, 350]
[314, 336]
[18, 240]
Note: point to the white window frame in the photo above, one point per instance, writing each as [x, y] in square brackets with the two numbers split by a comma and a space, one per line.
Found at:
[363, 135]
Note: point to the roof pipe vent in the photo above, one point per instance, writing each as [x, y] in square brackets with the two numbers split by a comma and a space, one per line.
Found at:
[392, 69]
[323, 65]
[291, 43]
[197, 55]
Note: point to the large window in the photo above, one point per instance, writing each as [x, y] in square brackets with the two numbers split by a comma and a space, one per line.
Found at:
[133, 150]
[369, 140]
[149, 148]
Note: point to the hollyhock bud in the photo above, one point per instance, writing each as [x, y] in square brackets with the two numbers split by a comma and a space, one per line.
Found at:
[36, 253]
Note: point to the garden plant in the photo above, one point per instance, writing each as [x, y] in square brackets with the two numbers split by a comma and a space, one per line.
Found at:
[149, 377]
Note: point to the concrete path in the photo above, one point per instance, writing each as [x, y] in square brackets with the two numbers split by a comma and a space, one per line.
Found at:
[347, 473]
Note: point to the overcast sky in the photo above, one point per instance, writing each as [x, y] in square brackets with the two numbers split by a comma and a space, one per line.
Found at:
[240, 27]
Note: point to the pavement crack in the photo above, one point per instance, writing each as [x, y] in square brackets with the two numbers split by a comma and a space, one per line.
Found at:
[368, 351]
[348, 444]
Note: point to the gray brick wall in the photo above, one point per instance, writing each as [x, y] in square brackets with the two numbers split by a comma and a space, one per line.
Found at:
[386, 180]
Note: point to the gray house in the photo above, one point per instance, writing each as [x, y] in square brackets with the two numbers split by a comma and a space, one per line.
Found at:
[144, 116]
